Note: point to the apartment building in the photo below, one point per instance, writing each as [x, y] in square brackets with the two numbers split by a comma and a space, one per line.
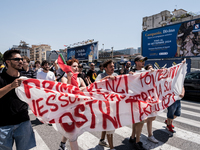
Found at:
[39, 52]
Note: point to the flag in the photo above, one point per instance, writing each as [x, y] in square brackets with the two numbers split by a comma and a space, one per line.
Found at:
[67, 69]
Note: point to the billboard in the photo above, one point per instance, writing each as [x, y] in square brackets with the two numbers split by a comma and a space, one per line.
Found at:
[83, 52]
[177, 40]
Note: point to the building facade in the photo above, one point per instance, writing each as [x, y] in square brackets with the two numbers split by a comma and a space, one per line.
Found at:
[166, 18]
[24, 48]
[38, 52]
[51, 56]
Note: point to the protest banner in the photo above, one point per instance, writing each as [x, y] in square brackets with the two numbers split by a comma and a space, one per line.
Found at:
[104, 105]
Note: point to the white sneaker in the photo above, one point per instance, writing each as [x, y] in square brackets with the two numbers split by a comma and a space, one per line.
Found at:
[103, 143]
[152, 139]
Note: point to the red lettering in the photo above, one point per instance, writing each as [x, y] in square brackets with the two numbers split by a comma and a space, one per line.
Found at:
[34, 108]
[146, 79]
[40, 107]
[52, 97]
[93, 122]
[75, 98]
[117, 113]
[48, 85]
[142, 75]
[107, 115]
[63, 100]
[166, 100]
[144, 96]
[28, 87]
[57, 86]
[126, 83]
[66, 126]
[159, 91]
[133, 99]
[112, 86]
[77, 114]
[150, 91]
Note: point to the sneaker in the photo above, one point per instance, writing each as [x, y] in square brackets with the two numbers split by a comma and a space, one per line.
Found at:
[103, 143]
[132, 140]
[139, 146]
[169, 128]
[62, 147]
[166, 123]
[152, 139]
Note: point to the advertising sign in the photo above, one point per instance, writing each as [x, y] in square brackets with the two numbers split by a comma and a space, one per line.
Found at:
[83, 52]
[178, 40]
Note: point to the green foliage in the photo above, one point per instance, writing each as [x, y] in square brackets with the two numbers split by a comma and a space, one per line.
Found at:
[173, 19]
[1, 57]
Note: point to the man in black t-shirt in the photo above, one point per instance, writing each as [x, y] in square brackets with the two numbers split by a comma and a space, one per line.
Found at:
[15, 123]
[26, 71]
[92, 73]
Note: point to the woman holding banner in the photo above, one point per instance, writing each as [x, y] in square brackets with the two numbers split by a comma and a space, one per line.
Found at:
[81, 84]
[150, 119]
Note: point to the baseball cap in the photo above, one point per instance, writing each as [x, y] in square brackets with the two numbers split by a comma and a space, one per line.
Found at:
[140, 57]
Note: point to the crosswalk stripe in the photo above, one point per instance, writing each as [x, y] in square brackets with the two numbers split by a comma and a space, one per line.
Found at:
[189, 106]
[183, 120]
[190, 102]
[180, 133]
[191, 113]
[40, 144]
[126, 132]
[89, 141]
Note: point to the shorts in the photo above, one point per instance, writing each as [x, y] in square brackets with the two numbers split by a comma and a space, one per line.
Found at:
[174, 109]
[110, 132]
[22, 134]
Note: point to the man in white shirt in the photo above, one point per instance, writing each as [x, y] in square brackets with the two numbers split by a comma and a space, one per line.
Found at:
[45, 74]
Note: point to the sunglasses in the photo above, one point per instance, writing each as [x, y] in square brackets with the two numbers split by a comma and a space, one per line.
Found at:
[141, 60]
[16, 59]
[80, 67]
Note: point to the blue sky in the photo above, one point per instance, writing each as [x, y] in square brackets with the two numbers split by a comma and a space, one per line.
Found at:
[114, 23]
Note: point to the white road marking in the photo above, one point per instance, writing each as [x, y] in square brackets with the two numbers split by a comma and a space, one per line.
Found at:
[183, 120]
[40, 144]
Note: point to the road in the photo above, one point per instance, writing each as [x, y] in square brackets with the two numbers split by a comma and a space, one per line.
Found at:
[187, 135]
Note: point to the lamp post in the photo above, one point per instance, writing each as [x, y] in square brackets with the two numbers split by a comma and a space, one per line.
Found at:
[112, 52]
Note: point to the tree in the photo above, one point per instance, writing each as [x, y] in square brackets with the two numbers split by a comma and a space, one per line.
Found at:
[1, 57]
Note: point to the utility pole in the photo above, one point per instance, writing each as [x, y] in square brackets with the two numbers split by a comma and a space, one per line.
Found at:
[112, 52]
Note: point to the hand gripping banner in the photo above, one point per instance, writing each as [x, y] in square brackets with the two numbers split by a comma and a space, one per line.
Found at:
[104, 105]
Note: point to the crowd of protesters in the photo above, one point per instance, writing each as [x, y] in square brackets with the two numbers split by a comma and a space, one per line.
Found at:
[14, 112]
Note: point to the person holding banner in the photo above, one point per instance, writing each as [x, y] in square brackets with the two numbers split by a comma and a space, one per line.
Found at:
[137, 127]
[150, 119]
[15, 123]
[173, 111]
[109, 74]
[81, 84]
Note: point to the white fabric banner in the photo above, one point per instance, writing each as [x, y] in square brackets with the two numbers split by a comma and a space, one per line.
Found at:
[104, 105]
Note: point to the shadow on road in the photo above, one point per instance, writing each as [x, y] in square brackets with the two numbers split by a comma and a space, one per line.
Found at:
[36, 122]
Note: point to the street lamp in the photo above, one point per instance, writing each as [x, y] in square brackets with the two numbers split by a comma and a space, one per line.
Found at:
[112, 52]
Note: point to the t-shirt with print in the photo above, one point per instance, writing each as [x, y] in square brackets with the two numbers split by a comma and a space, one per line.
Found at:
[46, 76]
[92, 74]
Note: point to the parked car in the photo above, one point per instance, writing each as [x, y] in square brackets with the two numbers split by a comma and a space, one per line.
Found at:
[192, 84]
